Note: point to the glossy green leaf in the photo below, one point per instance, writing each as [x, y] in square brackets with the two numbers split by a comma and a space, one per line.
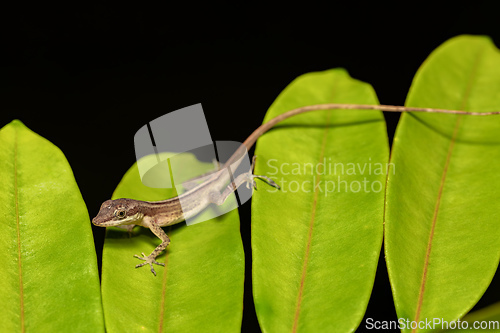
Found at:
[442, 218]
[48, 279]
[200, 289]
[316, 242]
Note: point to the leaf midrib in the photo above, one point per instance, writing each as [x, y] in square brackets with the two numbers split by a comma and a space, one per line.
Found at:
[311, 224]
[441, 186]
[163, 291]
[19, 264]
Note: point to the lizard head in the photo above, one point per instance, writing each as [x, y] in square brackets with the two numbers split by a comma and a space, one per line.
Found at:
[118, 212]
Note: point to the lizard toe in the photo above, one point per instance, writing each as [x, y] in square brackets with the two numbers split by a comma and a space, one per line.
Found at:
[148, 260]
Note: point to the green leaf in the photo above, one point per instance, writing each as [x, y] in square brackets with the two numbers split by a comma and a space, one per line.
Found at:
[200, 289]
[49, 280]
[484, 320]
[442, 236]
[315, 248]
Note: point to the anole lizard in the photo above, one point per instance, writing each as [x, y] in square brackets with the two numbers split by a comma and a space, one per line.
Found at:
[127, 213]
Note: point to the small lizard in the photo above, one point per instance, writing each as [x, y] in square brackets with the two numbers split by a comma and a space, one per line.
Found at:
[126, 213]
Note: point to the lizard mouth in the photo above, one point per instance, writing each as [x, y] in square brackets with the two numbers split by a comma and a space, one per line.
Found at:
[106, 224]
[113, 223]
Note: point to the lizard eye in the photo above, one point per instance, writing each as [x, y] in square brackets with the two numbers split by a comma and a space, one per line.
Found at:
[120, 213]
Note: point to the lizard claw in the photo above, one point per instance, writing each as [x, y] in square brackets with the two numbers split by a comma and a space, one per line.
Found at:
[148, 260]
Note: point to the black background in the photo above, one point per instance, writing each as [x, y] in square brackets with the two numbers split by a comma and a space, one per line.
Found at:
[88, 77]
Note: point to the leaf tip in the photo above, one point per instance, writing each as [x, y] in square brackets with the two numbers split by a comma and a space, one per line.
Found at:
[14, 125]
[466, 40]
[17, 123]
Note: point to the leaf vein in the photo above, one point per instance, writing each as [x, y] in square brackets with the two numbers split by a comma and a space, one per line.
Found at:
[440, 191]
[311, 224]
[163, 291]
[19, 264]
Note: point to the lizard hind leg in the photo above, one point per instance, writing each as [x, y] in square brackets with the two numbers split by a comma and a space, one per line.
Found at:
[266, 179]
[251, 177]
[246, 178]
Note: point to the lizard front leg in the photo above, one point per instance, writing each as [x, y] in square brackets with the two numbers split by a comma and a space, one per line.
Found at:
[158, 231]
